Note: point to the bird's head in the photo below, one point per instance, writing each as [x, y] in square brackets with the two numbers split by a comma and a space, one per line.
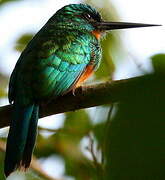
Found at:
[82, 17]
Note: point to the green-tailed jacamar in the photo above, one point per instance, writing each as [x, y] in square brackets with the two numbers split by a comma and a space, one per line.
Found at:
[64, 53]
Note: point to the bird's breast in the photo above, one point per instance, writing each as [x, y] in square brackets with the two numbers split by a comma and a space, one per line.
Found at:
[85, 75]
[97, 34]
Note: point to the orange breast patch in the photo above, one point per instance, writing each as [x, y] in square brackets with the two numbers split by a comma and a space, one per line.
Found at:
[97, 34]
[87, 73]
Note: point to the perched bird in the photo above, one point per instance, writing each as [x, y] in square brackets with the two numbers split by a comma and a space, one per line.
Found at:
[63, 54]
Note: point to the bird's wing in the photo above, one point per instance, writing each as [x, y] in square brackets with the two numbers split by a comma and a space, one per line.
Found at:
[57, 77]
[47, 69]
[60, 67]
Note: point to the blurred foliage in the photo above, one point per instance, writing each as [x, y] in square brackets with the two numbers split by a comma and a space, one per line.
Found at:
[6, 1]
[3, 85]
[136, 146]
[158, 62]
[130, 141]
[22, 41]
[1, 165]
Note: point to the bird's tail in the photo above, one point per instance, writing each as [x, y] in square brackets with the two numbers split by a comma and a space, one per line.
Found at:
[21, 138]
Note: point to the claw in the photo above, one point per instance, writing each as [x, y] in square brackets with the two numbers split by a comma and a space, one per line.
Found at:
[73, 91]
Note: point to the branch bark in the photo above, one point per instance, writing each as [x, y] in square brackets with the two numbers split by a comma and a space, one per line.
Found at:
[94, 95]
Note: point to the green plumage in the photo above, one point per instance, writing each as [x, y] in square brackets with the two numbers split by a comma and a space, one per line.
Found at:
[66, 48]
[51, 64]
[50, 57]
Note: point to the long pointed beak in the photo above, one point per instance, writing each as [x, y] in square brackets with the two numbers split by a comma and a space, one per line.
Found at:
[120, 25]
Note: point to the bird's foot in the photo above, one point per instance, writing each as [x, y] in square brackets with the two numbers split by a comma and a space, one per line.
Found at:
[73, 91]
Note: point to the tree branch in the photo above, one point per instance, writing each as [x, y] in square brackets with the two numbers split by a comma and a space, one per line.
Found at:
[94, 95]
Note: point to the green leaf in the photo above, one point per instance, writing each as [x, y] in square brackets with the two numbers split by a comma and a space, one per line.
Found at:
[3, 93]
[77, 123]
[3, 85]
[45, 146]
[136, 137]
[23, 41]
[158, 62]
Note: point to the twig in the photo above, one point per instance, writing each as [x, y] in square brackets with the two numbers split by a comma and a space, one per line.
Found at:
[49, 130]
[97, 165]
[91, 150]
[138, 65]
[107, 124]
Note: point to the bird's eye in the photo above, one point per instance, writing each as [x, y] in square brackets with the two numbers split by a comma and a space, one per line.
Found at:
[88, 16]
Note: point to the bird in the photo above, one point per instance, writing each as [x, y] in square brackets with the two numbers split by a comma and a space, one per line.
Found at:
[58, 59]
